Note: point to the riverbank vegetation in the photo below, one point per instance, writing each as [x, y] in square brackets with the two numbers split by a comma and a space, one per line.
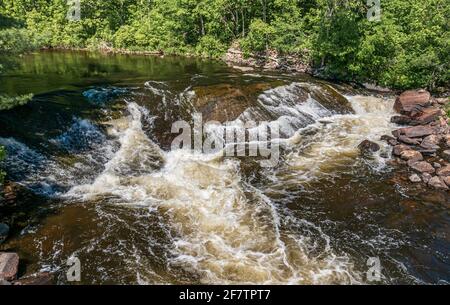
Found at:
[408, 47]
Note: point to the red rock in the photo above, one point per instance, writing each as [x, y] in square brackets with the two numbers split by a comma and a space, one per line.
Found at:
[444, 171]
[414, 178]
[397, 150]
[414, 132]
[431, 142]
[412, 100]
[9, 264]
[427, 115]
[421, 166]
[38, 279]
[407, 140]
[446, 180]
[438, 183]
[390, 140]
[411, 155]
[426, 177]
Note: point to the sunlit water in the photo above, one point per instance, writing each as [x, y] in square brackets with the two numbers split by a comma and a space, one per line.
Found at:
[94, 147]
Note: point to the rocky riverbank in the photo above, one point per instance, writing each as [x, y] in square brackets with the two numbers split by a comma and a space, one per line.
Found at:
[423, 144]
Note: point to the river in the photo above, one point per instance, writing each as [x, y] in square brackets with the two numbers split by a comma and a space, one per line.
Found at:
[92, 153]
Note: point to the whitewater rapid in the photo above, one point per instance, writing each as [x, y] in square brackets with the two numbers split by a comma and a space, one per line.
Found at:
[223, 229]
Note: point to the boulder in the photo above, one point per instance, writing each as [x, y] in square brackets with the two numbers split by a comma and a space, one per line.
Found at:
[411, 155]
[4, 231]
[414, 178]
[39, 279]
[436, 165]
[426, 177]
[446, 154]
[446, 180]
[367, 146]
[444, 171]
[407, 140]
[401, 120]
[398, 149]
[438, 183]
[9, 264]
[414, 132]
[412, 100]
[431, 142]
[426, 116]
[421, 166]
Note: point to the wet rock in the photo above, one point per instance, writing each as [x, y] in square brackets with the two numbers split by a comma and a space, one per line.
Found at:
[39, 279]
[437, 183]
[9, 264]
[390, 140]
[4, 231]
[444, 171]
[421, 166]
[407, 140]
[431, 142]
[411, 155]
[426, 177]
[367, 146]
[436, 165]
[412, 100]
[398, 149]
[446, 154]
[414, 178]
[414, 132]
[401, 120]
[427, 115]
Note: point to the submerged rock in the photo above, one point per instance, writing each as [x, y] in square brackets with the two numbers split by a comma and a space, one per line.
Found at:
[9, 264]
[390, 140]
[4, 231]
[40, 279]
[367, 146]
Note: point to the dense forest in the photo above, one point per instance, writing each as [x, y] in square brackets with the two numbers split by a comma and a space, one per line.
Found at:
[407, 47]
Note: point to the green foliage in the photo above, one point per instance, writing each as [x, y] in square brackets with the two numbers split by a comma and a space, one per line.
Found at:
[209, 46]
[409, 47]
[9, 102]
[257, 40]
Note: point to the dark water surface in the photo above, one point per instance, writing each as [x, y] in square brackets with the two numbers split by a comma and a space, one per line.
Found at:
[98, 180]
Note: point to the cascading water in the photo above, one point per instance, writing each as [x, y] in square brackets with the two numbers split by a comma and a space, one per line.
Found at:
[135, 211]
[225, 230]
